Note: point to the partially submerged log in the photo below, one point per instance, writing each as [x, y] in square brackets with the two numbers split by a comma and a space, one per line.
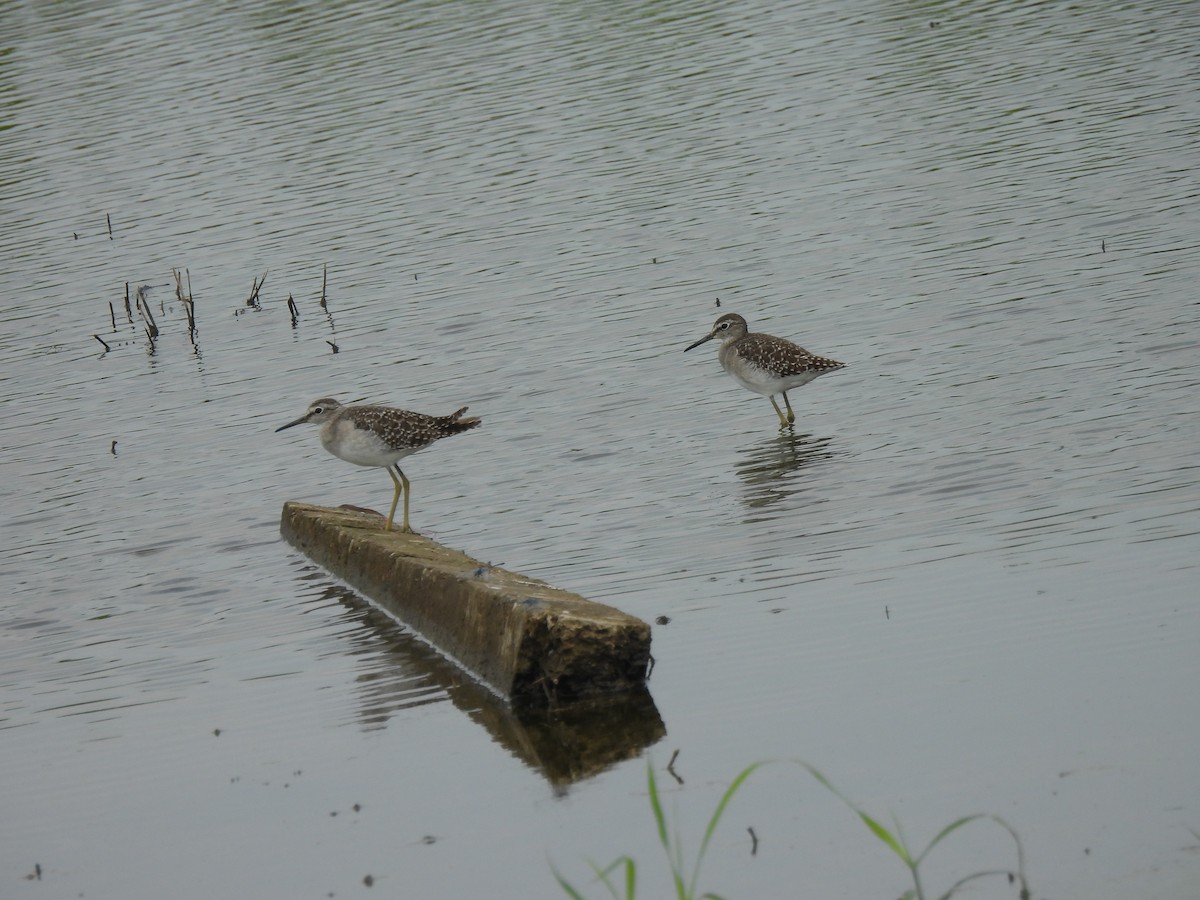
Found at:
[534, 644]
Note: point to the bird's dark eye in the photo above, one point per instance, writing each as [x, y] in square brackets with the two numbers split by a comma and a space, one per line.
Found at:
[724, 326]
[318, 410]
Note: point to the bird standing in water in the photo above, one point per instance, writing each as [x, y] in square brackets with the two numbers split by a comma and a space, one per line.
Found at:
[763, 363]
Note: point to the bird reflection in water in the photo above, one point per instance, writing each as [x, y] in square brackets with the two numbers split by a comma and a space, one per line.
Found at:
[770, 468]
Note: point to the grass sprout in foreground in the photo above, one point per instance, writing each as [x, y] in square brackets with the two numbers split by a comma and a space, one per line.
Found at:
[685, 887]
[619, 878]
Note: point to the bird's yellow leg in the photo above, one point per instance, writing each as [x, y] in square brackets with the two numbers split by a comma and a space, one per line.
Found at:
[783, 422]
[395, 500]
[791, 415]
[407, 491]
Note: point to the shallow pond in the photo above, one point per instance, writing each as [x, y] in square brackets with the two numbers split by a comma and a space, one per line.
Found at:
[967, 581]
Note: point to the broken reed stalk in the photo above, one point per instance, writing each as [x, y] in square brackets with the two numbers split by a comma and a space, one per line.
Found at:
[293, 310]
[188, 306]
[128, 309]
[108, 218]
[144, 309]
[112, 314]
[324, 280]
[253, 301]
[103, 343]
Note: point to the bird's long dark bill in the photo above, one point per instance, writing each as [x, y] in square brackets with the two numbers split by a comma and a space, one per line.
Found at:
[707, 337]
[300, 420]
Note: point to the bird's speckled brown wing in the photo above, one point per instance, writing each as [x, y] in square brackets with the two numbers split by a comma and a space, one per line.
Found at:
[781, 357]
[402, 429]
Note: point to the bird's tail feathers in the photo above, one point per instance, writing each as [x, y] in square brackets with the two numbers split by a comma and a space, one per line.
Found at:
[456, 422]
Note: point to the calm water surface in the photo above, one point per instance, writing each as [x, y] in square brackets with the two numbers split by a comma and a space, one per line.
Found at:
[966, 583]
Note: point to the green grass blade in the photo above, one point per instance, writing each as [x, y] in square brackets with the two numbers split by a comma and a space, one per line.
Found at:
[602, 875]
[878, 830]
[945, 832]
[681, 890]
[1000, 873]
[886, 836]
[568, 889]
[1025, 892]
[674, 854]
[716, 817]
[815, 773]
[656, 806]
[725, 798]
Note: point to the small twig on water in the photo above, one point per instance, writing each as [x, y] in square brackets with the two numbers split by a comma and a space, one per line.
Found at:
[108, 218]
[753, 842]
[333, 345]
[102, 341]
[112, 314]
[324, 279]
[113, 448]
[128, 308]
[293, 310]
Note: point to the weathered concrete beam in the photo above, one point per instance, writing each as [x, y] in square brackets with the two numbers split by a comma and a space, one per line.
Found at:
[565, 744]
[534, 644]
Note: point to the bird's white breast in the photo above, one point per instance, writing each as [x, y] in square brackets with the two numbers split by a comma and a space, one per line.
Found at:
[759, 379]
[358, 446]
